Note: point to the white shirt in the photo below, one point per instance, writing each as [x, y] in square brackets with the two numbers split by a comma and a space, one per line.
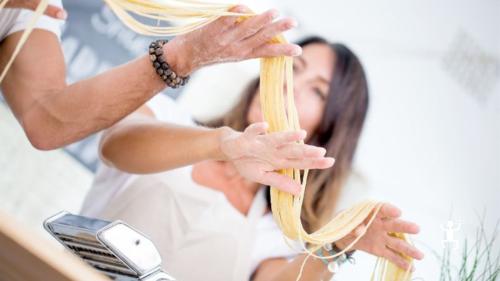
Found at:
[110, 182]
[13, 20]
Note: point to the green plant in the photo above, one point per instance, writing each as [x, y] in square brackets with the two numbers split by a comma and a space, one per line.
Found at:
[478, 262]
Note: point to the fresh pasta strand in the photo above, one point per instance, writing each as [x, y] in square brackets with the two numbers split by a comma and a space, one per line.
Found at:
[3, 3]
[287, 208]
[279, 112]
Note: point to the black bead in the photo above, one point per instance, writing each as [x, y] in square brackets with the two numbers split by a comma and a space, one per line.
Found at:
[159, 51]
[164, 66]
[156, 64]
[168, 72]
[161, 59]
[159, 71]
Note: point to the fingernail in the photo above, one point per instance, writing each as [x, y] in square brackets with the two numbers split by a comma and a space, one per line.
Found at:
[417, 229]
[62, 15]
[302, 134]
[238, 9]
[331, 159]
[274, 13]
[296, 190]
[421, 255]
[315, 152]
[297, 50]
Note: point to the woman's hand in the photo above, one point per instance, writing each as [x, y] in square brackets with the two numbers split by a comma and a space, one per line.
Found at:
[226, 40]
[257, 156]
[51, 11]
[377, 240]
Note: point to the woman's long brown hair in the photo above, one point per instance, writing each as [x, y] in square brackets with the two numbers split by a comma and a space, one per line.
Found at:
[338, 132]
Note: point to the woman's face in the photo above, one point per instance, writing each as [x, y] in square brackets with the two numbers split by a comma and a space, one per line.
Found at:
[312, 74]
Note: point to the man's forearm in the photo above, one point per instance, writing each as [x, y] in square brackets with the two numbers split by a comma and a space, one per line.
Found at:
[54, 114]
[91, 105]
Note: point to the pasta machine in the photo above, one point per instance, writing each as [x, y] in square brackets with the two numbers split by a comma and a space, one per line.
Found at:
[113, 248]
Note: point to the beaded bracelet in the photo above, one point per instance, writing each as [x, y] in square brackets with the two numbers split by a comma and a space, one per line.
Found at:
[333, 265]
[162, 68]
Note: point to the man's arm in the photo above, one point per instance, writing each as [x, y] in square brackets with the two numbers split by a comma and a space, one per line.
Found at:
[54, 114]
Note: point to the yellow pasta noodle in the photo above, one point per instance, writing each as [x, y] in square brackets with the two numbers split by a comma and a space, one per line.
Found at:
[278, 109]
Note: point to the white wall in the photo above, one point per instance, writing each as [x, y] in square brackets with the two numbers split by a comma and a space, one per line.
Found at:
[36, 184]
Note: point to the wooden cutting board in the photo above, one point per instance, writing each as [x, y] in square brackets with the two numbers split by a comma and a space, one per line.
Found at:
[27, 257]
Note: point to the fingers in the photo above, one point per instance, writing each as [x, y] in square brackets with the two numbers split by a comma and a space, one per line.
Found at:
[252, 25]
[281, 138]
[56, 12]
[270, 31]
[359, 230]
[281, 182]
[396, 259]
[295, 150]
[306, 163]
[226, 22]
[276, 50]
[403, 247]
[256, 129]
[390, 211]
[240, 9]
[288, 153]
[256, 32]
[401, 226]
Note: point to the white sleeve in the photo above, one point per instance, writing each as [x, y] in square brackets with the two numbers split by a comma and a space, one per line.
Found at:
[166, 109]
[44, 22]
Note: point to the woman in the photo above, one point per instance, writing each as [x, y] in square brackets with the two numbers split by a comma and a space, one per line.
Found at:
[332, 99]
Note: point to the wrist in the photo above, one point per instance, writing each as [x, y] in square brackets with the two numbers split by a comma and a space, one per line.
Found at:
[222, 135]
[340, 245]
[178, 57]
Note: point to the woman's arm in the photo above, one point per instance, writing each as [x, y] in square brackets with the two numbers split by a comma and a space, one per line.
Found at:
[142, 144]
[54, 114]
[282, 270]
[376, 241]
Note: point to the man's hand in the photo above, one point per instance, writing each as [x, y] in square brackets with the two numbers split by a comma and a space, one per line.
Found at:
[228, 40]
